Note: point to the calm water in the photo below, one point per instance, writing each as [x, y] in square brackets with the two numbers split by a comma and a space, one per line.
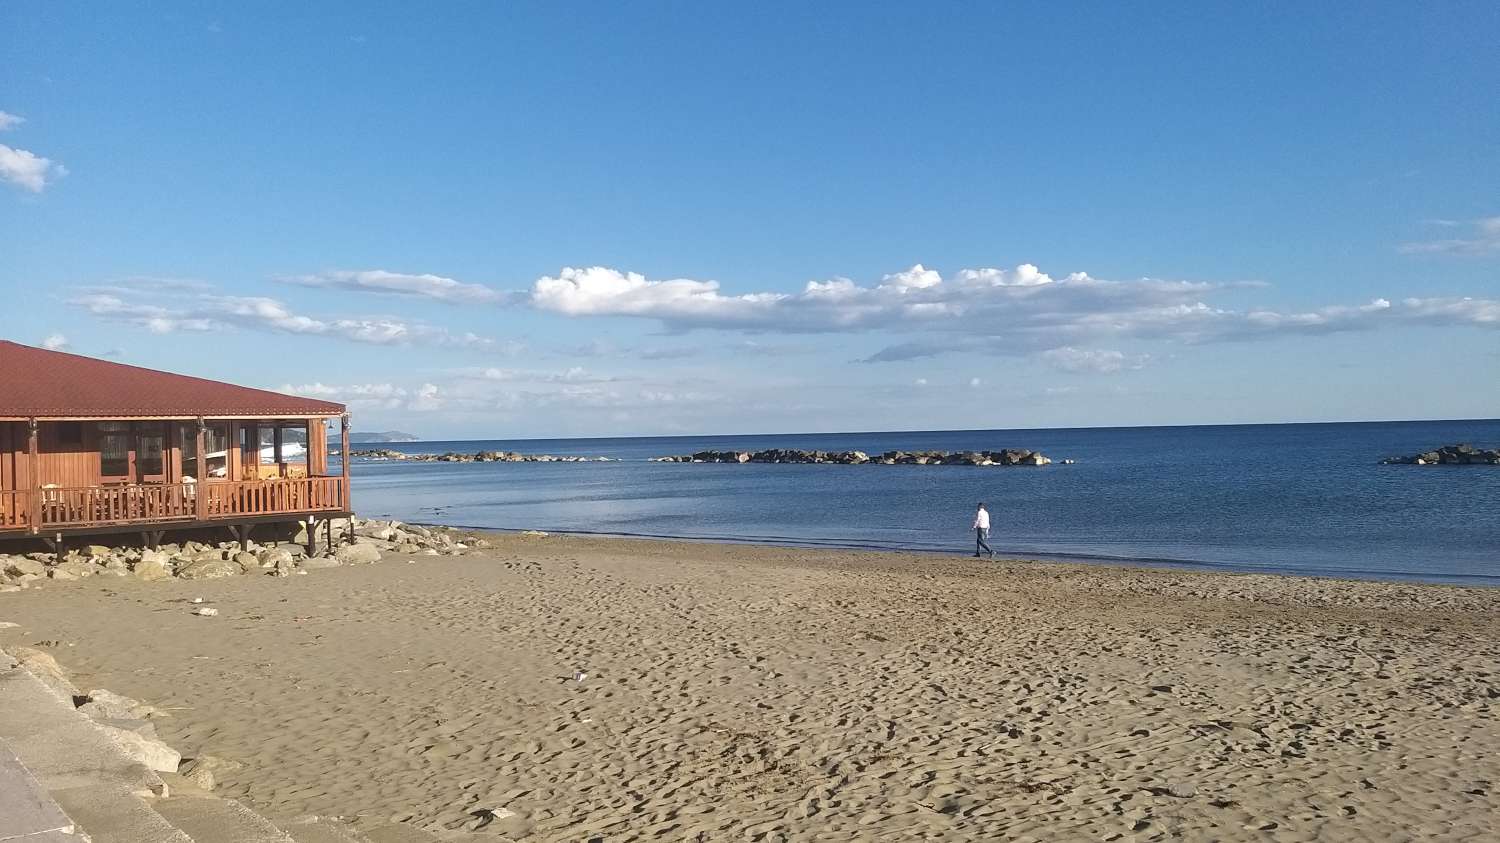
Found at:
[1284, 498]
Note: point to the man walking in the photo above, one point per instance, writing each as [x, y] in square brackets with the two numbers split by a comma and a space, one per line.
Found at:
[982, 532]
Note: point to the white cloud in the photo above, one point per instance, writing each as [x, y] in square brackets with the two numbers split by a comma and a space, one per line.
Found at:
[55, 342]
[385, 396]
[1483, 238]
[916, 298]
[27, 170]
[916, 278]
[598, 291]
[574, 374]
[211, 312]
[10, 121]
[402, 284]
[975, 382]
[427, 399]
[1017, 311]
[1025, 275]
[921, 382]
[1099, 361]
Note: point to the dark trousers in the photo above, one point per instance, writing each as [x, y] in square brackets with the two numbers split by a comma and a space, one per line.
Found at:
[980, 534]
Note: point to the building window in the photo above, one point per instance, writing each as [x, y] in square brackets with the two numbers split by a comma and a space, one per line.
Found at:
[267, 445]
[294, 444]
[114, 450]
[70, 433]
[215, 442]
[149, 451]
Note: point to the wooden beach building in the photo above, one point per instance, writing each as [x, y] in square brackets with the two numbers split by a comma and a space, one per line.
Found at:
[89, 446]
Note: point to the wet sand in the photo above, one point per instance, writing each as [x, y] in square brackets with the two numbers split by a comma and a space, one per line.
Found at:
[780, 694]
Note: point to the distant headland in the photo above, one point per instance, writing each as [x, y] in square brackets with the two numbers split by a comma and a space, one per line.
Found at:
[382, 436]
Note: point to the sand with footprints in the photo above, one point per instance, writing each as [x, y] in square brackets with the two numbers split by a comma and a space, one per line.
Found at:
[752, 693]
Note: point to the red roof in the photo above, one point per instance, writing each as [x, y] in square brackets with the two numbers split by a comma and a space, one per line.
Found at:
[37, 383]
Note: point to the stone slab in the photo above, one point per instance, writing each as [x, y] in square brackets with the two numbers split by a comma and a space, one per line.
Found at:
[210, 820]
[109, 814]
[60, 747]
[26, 811]
[321, 830]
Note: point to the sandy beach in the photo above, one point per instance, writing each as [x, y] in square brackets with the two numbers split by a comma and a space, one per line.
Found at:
[755, 693]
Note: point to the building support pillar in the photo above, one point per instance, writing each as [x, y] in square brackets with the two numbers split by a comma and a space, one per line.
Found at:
[344, 458]
[34, 466]
[200, 476]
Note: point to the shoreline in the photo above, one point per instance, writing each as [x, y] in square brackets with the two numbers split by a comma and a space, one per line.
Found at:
[1043, 557]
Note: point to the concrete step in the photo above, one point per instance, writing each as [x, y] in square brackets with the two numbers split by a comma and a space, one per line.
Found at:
[27, 812]
[111, 814]
[398, 833]
[64, 779]
[321, 830]
[90, 777]
[58, 745]
[211, 820]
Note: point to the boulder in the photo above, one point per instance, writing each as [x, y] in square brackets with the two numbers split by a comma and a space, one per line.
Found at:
[274, 557]
[205, 771]
[376, 530]
[247, 561]
[149, 751]
[72, 569]
[19, 565]
[208, 569]
[210, 555]
[144, 728]
[97, 551]
[107, 705]
[357, 554]
[152, 569]
[47, 670]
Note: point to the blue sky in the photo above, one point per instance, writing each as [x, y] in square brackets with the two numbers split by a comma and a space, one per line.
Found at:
[551, 219]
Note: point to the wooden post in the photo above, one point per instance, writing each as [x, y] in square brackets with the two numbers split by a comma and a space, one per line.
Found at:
[344, 458]
[276, 439]
[232, 453]
[35, 467]
[200, 488]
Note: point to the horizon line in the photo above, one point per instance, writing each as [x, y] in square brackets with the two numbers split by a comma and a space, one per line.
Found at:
[353, 437]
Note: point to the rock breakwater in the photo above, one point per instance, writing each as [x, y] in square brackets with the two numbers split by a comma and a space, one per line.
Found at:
[1007, 457]
[1449, 455]
[480, 456]
[195, 560]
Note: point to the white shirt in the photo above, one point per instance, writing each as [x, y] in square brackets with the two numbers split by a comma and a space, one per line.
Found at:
[982, 520]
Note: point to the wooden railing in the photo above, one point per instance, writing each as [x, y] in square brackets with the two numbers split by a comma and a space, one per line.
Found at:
[15, 510]
[91, 505]
[102, 506]
[269, 497]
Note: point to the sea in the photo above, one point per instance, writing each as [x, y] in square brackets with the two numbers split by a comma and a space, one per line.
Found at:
[1284, 498]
